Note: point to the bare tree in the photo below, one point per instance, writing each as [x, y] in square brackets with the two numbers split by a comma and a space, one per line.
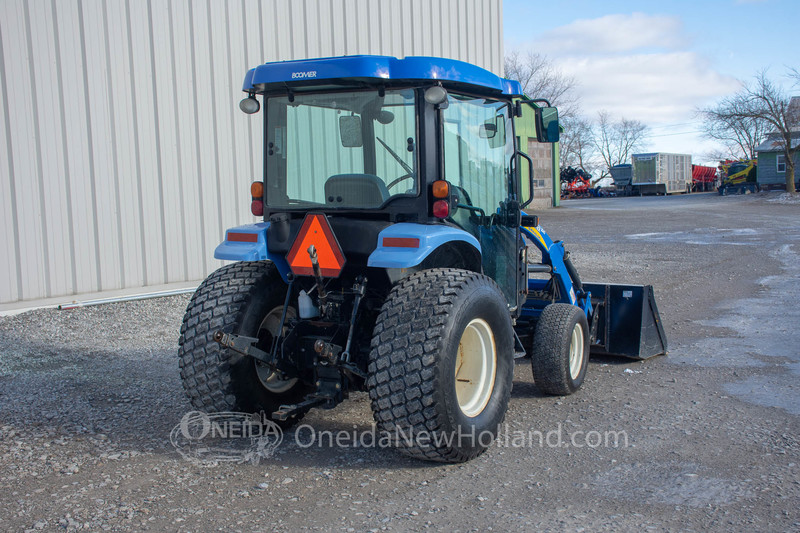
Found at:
[763, 100]
[739, 135]
[616, 141]
[576, 148]
[540, 78]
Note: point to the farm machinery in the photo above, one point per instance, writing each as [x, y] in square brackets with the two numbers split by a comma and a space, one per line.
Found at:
[393, 255]
[703, 178]
[739, 177]
[575, 183]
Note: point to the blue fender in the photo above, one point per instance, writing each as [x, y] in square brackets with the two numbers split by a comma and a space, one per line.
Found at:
[250, 248]
[419, 240]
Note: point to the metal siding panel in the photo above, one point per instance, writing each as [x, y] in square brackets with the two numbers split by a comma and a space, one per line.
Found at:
[324, 27]
[104, 206]
[479, 38]
[10, 273]
[243, 166]
[373, 26]
[55, 232]
[167, 122]
[137, 160]
[147, 176]
[206, 180]
[197, 258]
[226, 98]
[444, 27]
[23, 148]
[74, 132]
[127, 155]
[283, 31]
[260, 45]
[338, 37]
[496, 24]
[75, 114]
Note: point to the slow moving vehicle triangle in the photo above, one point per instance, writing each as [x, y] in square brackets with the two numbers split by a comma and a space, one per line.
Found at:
[316, 231]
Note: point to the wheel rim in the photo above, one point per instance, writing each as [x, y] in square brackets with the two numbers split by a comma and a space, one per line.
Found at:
[476, 365]
[576, 351]
[266, 376]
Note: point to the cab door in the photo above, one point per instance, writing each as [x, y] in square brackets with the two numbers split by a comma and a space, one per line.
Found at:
[478, 149]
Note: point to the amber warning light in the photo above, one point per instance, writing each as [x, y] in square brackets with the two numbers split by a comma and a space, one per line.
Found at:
[316, 231]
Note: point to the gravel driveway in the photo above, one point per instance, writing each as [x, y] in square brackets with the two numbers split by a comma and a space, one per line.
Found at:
[705, 438]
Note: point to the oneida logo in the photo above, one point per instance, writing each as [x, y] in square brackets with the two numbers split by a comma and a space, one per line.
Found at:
[303, 75]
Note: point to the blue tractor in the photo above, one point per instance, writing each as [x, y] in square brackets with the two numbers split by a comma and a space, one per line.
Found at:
[394, 256]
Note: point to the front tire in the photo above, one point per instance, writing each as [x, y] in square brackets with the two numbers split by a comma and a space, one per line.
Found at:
[441, 365]
[244, 298]
[560, 349]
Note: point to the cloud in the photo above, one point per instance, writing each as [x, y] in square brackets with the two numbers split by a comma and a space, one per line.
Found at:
[613, 34]
[647, 87]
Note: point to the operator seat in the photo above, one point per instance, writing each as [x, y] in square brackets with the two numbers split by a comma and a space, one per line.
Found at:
[355, 190]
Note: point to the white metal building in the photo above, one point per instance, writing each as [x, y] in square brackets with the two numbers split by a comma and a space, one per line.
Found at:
[123, 155]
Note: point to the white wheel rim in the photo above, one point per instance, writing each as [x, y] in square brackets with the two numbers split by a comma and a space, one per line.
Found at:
[266, 376]
[476, 366]
[576, 351]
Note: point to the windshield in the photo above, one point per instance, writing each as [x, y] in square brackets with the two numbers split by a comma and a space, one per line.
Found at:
[736, 168]
[341, 150]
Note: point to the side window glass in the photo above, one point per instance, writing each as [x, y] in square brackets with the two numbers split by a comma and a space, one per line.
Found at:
[478, 149]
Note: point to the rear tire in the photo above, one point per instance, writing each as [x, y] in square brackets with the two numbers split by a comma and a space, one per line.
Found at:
[244, 298]
[441, 365]
[560, 349]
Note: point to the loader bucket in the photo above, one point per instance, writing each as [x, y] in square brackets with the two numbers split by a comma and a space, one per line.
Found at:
[627, 321]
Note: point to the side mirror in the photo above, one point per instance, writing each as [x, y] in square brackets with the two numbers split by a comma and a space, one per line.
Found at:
[547, 129]
[488, 130]
[350, 131]
[495, 131]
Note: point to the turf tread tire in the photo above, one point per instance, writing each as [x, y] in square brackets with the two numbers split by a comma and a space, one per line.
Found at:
[405, 372]
[213, 376]
[550, 356]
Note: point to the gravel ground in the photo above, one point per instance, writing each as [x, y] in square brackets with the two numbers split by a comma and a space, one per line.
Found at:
[88, 398]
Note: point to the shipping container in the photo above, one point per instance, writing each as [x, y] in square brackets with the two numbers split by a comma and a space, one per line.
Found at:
[661, 173]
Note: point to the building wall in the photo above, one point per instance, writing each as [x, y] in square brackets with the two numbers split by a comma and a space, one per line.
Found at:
[123, 155]
[542, 155]
[767, 169]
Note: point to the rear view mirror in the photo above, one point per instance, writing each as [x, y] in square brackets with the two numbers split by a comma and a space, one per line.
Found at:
[495, 131]
[488, 130]
[547, 128]
[350, 131]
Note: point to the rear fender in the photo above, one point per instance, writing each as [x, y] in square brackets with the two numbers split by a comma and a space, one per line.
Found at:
[407, 245]
[249, 243]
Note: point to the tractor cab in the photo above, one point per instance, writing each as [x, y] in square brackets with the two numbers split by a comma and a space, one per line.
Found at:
[416, 141]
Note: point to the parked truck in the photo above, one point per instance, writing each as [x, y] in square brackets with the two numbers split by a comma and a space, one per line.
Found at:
[393, 255]
[661, 173]
[622, 175]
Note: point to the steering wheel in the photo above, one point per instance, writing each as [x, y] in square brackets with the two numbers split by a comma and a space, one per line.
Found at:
[400, 179]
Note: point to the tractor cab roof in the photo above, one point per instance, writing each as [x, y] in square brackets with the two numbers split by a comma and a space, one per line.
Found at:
[359, 71]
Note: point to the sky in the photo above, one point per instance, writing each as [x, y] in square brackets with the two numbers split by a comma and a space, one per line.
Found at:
[658, 62]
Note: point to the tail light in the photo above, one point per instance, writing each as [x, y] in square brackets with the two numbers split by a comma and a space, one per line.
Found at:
[441, 209]
[440, 190]
[257, 193]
